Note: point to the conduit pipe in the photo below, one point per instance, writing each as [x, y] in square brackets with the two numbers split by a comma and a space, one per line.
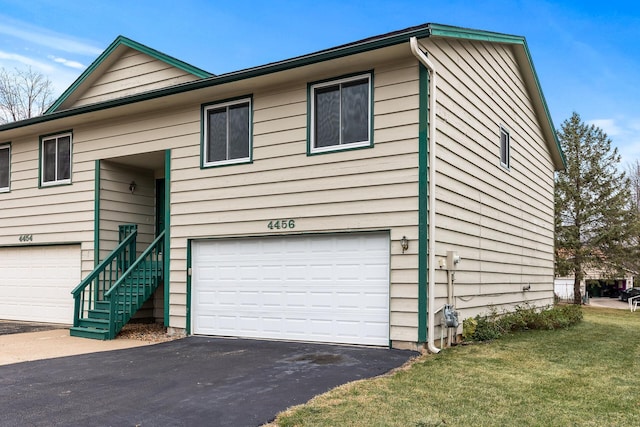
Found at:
[420, 55]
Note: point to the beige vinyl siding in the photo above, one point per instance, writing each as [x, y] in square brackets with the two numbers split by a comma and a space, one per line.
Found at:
[51, 215]
[367, 189]
[118, 206]
[134, 72]
[499, 221]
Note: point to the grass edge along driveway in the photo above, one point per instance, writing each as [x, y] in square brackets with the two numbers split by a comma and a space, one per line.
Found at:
[587, 375]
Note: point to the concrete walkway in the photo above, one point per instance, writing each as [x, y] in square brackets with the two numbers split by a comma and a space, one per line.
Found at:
[29, 346]
[608, 303]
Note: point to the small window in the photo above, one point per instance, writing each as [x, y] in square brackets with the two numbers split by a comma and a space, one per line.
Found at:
[56, 159]
[504, 148]
[227, 133]
[5, 167]
[340, 114]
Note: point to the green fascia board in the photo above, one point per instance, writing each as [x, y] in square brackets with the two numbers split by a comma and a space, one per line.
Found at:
[366, 45]
[124, 41]
[438, 30]
[373, 43]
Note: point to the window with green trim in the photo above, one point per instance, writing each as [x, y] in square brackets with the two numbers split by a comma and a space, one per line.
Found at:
[341, 112]
[227, 133]
[505, 142]
[5, 167]
[56, 159]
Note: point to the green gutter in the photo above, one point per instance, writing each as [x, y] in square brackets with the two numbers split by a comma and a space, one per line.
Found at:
[423, 205]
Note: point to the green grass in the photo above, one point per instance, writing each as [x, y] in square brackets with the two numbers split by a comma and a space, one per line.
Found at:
[587, 375]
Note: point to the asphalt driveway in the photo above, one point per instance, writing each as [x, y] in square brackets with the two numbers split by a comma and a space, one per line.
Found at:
[195, 381]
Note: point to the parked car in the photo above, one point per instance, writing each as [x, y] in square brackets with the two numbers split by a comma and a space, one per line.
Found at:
[628, 293]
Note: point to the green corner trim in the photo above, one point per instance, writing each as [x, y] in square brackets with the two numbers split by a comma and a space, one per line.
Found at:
[96, 215]
[423, 202]
[167, 235]
[124, 41]
[188, 323]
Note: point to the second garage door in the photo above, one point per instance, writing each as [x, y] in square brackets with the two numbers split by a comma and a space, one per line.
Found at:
[323, 288]
[36, 283]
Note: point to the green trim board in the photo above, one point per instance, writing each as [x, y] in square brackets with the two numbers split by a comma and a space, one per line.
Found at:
[124, 41]
[189, 270]
[423, 202]
[167, 235]
[96, 215]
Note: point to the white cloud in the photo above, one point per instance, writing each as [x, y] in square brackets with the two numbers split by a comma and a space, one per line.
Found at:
[624, 133]
[67, 62]
[609, 126]
[45, 37]
[25, 60]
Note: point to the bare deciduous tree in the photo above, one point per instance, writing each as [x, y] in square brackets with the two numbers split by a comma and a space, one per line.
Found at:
[23, 94]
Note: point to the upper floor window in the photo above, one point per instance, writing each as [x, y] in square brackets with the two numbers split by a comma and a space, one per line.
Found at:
[341, 114]
[505, 160]
[227, 133]
[56, 159]
[5, 167]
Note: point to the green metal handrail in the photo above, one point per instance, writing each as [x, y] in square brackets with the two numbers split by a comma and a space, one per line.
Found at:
[135, 286]
[94, 287]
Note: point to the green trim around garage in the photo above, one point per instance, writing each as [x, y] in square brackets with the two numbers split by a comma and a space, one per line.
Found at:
[96, 215]
[423, 205]
[167, 235]
[124, 41]
[189, 274]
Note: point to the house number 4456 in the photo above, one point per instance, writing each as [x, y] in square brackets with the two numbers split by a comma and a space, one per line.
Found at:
[281, 224]
[26, 238]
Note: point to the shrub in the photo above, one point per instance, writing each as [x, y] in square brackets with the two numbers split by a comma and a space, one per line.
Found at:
[493, 326]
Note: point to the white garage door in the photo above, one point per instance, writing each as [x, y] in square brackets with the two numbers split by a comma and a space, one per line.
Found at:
[36, 283]
[329, 288]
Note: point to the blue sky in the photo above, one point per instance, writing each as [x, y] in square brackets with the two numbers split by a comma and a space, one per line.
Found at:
[586, 53]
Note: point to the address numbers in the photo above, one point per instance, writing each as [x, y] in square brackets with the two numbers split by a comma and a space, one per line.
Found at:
[26, 238]
[281, 224]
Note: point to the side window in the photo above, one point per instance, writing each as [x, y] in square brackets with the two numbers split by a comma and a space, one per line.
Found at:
[505, 141]
[55, 153]
[340, 114]
[226, 135]
[5, 167]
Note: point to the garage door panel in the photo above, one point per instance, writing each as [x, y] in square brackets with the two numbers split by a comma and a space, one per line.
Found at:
[314, 288]
[36, 283]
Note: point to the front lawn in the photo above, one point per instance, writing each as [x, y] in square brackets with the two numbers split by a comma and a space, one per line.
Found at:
[587, 375]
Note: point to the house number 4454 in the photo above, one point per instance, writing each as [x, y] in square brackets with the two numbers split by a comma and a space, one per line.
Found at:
[26, 238]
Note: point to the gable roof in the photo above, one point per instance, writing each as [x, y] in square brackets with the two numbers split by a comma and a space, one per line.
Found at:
[110, 55]
[377, 42]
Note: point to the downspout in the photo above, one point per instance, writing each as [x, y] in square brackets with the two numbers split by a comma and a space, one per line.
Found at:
[420, 55]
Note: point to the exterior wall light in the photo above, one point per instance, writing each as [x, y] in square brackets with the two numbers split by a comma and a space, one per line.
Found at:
[404, 243]
[132, 187]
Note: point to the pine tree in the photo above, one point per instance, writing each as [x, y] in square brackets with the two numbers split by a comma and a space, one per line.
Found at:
[594, 217]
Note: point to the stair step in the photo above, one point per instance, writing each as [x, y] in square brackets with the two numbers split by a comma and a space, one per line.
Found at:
[94, 323]
[98, 314]
[96, 334]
